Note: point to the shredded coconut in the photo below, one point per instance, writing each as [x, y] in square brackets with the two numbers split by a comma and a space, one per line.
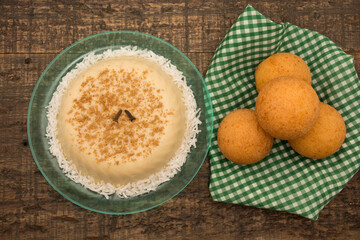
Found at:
[142, 186]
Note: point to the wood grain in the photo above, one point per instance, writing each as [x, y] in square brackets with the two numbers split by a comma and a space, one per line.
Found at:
[33, 32]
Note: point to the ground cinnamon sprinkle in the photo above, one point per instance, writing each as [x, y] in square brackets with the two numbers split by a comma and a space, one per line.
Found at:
[101, 98]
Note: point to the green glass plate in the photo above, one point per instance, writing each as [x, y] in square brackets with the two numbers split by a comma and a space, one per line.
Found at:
[37, 122]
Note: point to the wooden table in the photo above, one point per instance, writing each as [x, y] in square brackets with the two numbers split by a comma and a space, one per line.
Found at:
[33, 32]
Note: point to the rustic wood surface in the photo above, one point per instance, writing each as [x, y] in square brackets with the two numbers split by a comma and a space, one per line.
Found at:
[33, 32]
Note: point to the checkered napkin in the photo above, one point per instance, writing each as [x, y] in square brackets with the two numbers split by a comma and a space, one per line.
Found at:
[284, 180]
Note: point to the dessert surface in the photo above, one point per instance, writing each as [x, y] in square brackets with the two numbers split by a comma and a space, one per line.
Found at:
[121, 120]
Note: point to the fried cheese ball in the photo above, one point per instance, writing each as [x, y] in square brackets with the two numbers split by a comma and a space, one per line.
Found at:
[241, 139]
[281, 64]
[325, 138]
[287, 108]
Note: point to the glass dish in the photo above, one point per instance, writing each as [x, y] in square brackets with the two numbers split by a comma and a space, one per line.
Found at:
[37, 122]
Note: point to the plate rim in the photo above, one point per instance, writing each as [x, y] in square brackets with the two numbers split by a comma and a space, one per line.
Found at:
[208, 109]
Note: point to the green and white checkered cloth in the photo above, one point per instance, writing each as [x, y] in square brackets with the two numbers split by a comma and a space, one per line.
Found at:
[284, 180]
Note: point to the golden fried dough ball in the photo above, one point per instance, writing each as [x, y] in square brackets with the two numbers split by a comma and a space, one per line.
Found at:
[287, 108]
[325, 138]
[281, 64]
[241, 139]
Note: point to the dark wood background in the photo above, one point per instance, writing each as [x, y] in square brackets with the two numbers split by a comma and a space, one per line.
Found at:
[33, 32]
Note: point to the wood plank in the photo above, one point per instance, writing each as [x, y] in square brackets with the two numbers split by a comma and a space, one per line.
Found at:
[42, 26]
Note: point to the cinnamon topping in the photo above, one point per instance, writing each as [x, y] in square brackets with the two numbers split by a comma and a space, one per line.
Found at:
[92, 114]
